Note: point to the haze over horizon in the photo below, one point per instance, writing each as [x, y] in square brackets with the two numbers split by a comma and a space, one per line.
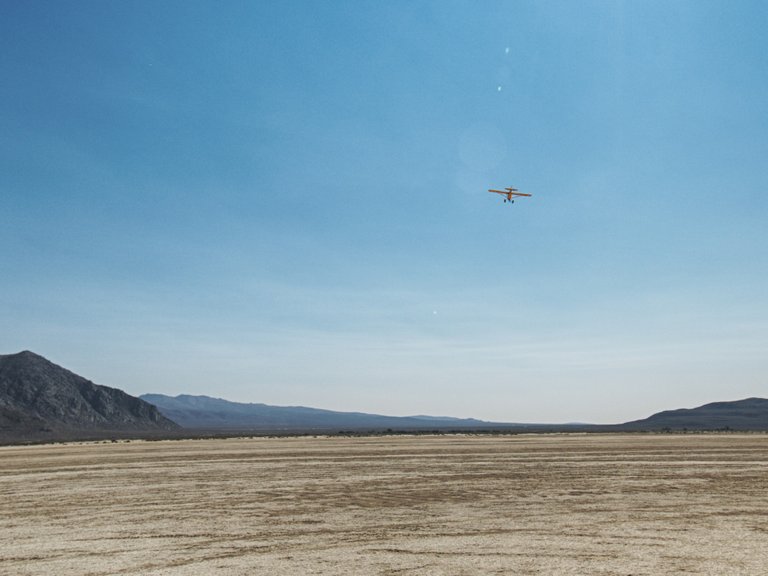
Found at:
[285, 203]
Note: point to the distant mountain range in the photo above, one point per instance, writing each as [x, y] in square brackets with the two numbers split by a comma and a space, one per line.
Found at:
[204, 412]
[40, 401]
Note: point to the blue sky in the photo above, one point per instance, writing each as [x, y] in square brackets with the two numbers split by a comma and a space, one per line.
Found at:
[284, 202]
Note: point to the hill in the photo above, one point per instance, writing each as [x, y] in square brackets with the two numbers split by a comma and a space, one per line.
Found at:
[40, 400]
[747, 414]
[204, 412]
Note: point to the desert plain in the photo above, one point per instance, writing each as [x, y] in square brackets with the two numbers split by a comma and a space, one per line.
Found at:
[451, 505]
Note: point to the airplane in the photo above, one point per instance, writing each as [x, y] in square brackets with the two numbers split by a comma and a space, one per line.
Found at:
[510, 192]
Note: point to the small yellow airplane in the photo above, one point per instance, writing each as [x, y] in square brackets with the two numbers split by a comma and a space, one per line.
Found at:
[510, 193]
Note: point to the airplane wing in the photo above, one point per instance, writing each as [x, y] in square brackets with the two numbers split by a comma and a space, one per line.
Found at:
[508, 192]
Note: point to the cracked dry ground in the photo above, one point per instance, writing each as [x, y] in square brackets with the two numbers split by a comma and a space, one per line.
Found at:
[452, 505]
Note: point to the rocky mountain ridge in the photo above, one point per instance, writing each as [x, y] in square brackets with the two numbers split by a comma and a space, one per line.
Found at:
[39, 399]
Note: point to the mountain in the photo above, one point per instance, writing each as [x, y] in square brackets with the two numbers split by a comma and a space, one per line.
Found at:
[40, 400]
[204, 412]
[747, 414]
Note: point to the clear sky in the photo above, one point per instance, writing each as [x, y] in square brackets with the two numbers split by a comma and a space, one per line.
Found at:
[285, 202]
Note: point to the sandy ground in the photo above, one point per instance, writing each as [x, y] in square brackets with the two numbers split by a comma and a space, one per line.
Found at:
[452, 505]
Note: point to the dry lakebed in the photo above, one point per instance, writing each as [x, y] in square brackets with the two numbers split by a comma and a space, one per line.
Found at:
[617, 504]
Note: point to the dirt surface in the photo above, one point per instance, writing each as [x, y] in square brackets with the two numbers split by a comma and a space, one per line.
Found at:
[449, 505]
